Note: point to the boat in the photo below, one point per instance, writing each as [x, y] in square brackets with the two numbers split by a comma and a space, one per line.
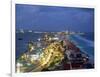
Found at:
[20, 38]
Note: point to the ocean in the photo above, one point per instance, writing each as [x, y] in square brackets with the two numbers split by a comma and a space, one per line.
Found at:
[84, 42]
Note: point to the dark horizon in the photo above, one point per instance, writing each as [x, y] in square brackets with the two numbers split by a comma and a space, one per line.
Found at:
[54, 18]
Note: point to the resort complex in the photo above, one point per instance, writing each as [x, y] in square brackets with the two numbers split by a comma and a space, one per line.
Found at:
[52, 51]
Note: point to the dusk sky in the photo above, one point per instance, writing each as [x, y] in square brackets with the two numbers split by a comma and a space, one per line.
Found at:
[54, 18]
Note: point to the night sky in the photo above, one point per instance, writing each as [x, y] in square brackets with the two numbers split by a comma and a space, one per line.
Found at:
[54, 18]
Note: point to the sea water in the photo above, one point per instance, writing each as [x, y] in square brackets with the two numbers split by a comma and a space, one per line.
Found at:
[85, 43]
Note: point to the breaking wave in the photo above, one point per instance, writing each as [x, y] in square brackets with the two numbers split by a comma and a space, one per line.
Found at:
[88, 42]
